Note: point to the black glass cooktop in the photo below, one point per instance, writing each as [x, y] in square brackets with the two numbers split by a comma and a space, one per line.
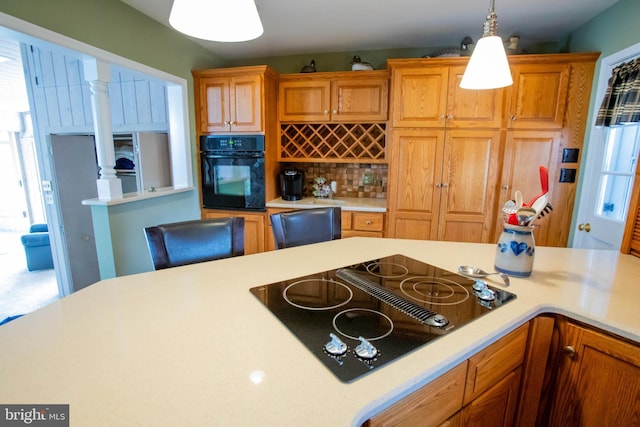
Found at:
[358, 318]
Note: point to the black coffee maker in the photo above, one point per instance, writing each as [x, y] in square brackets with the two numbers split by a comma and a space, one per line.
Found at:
[291, 184]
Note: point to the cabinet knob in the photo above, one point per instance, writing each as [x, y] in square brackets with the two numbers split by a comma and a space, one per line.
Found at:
[505, 187]
[325, 112]
[450, 117]
[438, 185]
[442, 117]
[445, 185]
[513, 118]
[569, 351]
[368, 222]
[335, 111]
[584, 227]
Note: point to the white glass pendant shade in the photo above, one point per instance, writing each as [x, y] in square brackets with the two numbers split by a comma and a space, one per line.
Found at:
[488, 67]
[217, 20]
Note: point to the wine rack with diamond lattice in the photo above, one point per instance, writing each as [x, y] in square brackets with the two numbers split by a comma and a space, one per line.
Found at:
[332, 142]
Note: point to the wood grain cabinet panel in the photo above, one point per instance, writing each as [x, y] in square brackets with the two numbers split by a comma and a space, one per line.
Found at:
[538, 96]
[430, 96]
[429, 406]
[598, 379]
[231, 99]
[496, 407]
[334, 97]
[489, 396]
[446, 185]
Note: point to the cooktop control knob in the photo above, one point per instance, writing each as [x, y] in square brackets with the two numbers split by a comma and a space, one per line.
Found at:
[335, 347]
[487, 295]
[365, 349]
[437, 320]
[479, 286]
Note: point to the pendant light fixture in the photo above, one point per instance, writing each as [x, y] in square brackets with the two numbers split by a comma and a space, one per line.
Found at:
[217, 20]
[488, 67]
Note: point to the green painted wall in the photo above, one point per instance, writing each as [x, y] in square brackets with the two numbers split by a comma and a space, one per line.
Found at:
[613, 30]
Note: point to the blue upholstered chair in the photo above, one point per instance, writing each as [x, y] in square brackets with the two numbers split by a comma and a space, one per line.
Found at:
[37, 248]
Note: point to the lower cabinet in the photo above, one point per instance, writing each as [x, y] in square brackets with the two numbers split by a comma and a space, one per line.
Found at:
[483, 388]
[254, 228]
[596, 380]
[551, 371]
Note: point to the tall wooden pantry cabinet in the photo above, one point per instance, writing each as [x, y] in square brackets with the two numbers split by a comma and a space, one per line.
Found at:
[456, 156]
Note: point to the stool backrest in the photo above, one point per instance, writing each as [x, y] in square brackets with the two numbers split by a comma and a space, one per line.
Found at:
[190, 242]
[306, 226]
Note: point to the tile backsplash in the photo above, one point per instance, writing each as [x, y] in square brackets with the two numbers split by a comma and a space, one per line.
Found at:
[353, 179]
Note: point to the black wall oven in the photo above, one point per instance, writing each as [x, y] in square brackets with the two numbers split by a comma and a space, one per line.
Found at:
[232, 170]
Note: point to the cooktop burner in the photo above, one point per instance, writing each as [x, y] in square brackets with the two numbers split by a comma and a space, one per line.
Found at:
[358, 318]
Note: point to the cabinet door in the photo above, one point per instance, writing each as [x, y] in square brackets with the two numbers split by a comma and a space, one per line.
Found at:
[525, 152]
[214, 104]
[598, 382]
[307, 101]
[246, 103]
[469, 186]
[495, 407]
[472, 108]
[538, 96]
[254, 229]
[359, 100]
[419, 96]
[416, 169]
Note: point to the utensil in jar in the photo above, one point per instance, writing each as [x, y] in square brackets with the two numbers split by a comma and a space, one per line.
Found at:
[525, 215]
[476, 272]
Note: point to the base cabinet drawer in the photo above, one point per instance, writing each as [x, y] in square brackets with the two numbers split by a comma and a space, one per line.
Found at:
[429, 406]
[366, 224]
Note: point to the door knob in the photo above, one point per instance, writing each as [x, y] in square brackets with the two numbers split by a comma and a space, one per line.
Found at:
[584, 227]
[569, 351]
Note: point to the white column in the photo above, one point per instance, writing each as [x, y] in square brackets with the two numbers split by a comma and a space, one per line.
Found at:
[98, 74]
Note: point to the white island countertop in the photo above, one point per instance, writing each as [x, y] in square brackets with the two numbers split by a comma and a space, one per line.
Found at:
[363, 204]
[181, 346]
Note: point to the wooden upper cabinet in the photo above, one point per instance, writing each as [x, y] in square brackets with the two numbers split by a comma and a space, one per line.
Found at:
[538, 96]
[360, 100]
[307, 101]
[419, 96]
[230, 100]
[350, 97]
[472, 108]
[430, 96]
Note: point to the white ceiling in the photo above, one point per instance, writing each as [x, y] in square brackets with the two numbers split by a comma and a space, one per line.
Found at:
[293, 27]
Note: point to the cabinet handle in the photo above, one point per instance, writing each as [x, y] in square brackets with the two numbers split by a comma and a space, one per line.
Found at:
[569, 351]
[513, 118]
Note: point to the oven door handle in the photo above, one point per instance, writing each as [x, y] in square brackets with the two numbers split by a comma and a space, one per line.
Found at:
[209, 155]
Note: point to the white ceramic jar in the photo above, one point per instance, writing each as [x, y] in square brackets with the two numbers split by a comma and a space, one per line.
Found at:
[515, 251]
